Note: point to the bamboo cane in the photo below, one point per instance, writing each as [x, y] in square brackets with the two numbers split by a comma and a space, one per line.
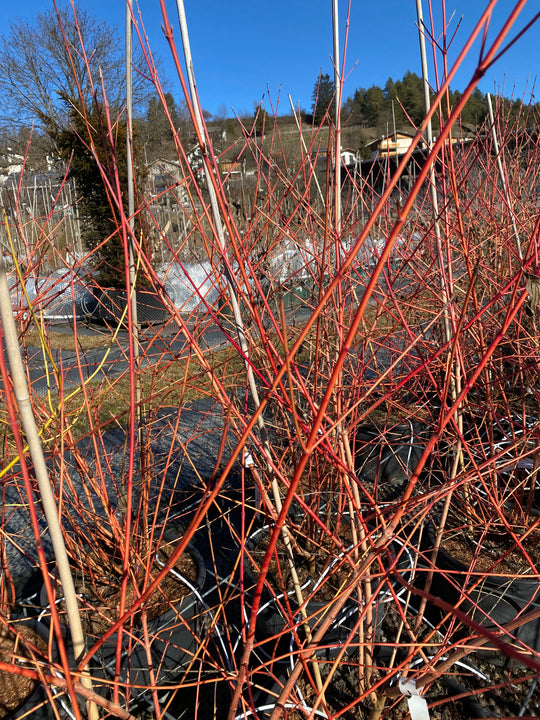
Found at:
[22, 396]
[446, 280]
[503, 176]
[239, 324]
[337, 103]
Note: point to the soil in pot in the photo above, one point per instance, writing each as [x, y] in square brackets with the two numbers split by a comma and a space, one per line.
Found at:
[310, 564]
[321, 562]
[100, 593]
[494, 553]
[16, 690]
[175, 619]
[490, 580]
[323, 575]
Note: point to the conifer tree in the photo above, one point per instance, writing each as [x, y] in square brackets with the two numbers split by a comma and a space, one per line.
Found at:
[95, 156]
[323, 99]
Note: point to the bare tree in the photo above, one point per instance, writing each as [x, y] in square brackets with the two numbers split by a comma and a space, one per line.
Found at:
[55, 61]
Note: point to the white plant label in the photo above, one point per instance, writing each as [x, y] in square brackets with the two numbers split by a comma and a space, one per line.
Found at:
[417, 704]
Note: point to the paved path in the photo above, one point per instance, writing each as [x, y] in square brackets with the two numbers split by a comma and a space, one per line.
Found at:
[156, 344]
[161, 342]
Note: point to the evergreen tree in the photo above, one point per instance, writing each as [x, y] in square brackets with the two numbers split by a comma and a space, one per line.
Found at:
[402, 102]
[396, 117]
[375, 105]
[410, 94]
[476, 110]
[323, 99]
[355, 108]
[157, 129]
[390, 91]
[95, 156]
[262, 121]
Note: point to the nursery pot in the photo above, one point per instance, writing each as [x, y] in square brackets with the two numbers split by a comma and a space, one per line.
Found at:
[528, 495]
[20, 696]
[274, 620]
[517, 476]
[174, 638]
[347, 617]
[386, 460]
[342, 627]
[491, 602]
[240, 584]
[266, 689]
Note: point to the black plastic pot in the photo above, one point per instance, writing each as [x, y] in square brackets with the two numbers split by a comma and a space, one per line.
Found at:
[263, 698]
[338, 636]
[34, 706]
[492, 601]
[174, 639]
[386, 460]
[279, 618]
[238, 588]
[527, 495]
[518, 482]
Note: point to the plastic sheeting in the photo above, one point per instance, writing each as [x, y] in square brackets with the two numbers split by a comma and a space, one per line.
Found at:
[62, 295]
[191, 287]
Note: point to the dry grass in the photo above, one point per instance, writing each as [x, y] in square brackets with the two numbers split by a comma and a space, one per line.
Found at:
[65, 340]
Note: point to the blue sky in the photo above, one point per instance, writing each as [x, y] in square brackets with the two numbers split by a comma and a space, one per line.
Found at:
[244, 50]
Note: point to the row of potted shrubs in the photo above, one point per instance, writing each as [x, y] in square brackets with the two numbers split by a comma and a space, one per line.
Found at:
[202, 633]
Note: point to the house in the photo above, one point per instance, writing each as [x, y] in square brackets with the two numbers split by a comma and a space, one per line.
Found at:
[348, 158]
[390, 145]
[232, 169]
[320, 159]
[398, 143]
[163, 175]
[10, 163]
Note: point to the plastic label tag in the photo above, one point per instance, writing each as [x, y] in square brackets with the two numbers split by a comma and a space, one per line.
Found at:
[417, 704]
